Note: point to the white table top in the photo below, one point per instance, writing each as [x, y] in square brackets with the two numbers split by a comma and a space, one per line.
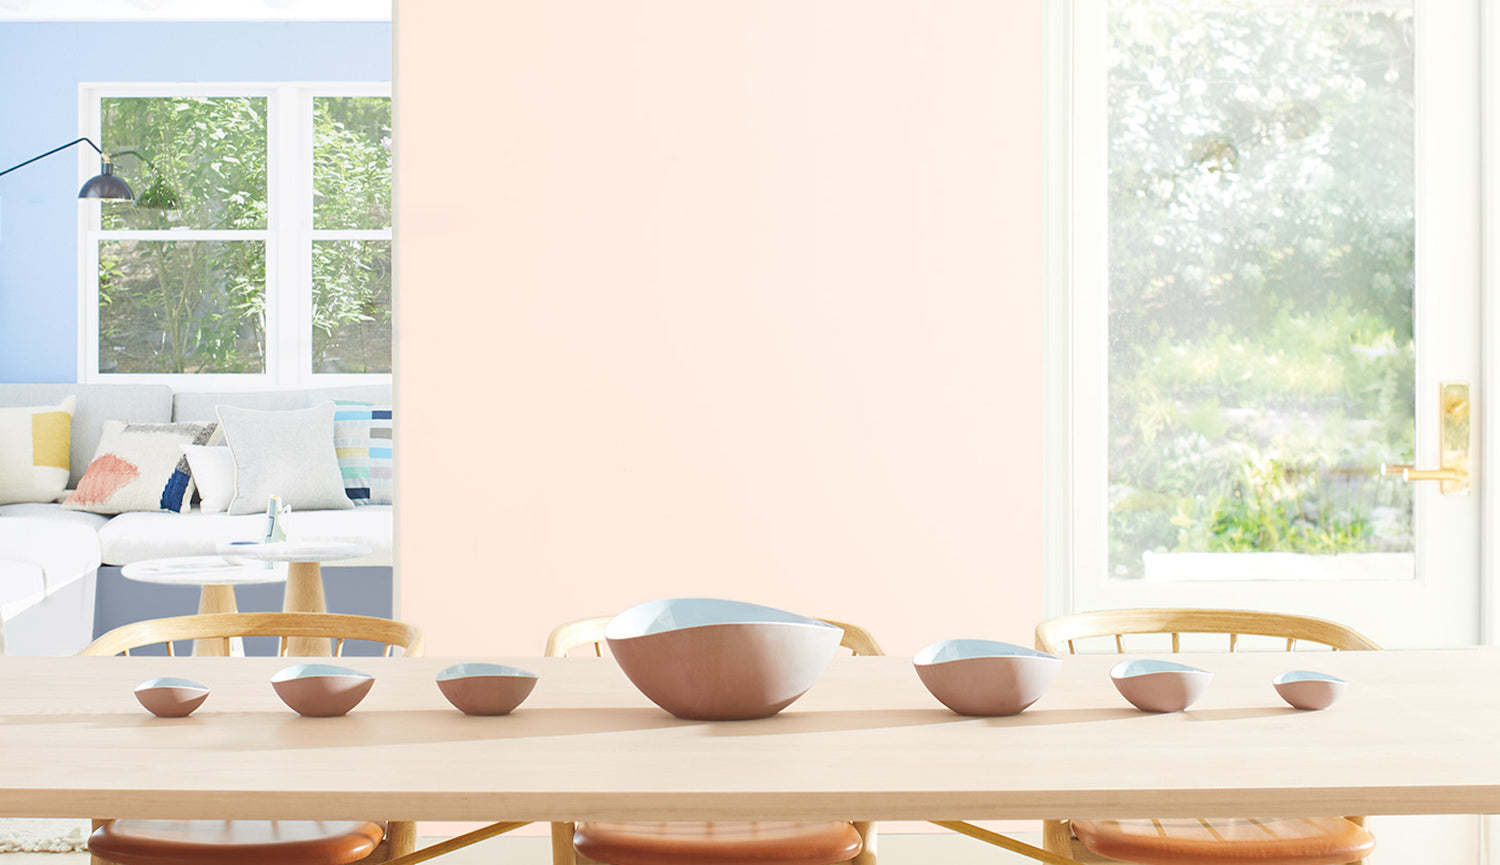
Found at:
[295, 551]
[1415, 734]
[201, 571]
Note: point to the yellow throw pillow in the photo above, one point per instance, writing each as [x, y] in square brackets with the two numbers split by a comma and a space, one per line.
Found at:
[34, 451]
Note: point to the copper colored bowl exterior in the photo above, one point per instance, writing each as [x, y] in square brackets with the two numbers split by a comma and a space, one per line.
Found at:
[1311, 694]
[992, 686]
[487, 695]
[733, 671]
[171, 702]
[1167, 691]
[323, 696]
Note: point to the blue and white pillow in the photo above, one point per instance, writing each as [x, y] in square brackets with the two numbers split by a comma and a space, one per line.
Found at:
[362, 440]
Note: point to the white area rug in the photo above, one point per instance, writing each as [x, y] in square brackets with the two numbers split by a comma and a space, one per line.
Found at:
[18, 835]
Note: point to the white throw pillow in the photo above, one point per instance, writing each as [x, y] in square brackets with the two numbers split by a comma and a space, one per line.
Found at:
[34, 452]
[283, 453]
[213, 472]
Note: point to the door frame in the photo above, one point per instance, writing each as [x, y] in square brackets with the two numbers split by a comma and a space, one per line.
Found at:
[1489, 361]
[1489, 364]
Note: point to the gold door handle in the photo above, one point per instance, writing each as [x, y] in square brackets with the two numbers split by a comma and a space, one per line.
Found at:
[1456, 443]
[1446, 475]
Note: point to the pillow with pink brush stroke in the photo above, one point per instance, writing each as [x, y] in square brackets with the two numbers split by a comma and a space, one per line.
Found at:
[139, 467]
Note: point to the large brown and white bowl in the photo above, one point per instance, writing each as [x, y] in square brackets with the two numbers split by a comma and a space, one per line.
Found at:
[1159, 686]
[321, 690]
[984, 677]
[705, 659]
[478, 688]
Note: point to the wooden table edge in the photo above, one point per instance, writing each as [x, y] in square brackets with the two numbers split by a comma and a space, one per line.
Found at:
[802, 805]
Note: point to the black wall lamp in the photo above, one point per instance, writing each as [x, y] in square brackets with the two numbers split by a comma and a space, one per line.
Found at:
[105, 185]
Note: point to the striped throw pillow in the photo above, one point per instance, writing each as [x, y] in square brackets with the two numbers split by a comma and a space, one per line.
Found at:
[362, 439]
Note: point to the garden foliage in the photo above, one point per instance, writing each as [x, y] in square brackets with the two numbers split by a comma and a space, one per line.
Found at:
[1261, 238]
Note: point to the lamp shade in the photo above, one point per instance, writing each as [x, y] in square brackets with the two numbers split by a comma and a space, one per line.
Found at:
[107, 186]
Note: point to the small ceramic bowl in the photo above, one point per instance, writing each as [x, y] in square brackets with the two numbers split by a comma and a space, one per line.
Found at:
[705, 659]
[321, 690]
[171, 698]
[485, 689]
[984, 677]
[1306, 689]
[1159, 686]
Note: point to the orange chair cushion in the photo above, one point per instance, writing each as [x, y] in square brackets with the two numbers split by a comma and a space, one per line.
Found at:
[234, 842]
[1267, 841]
[717, 843]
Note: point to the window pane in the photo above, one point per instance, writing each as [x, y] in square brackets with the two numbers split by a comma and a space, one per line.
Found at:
[1261, 241]
[352, 162]
[181, 306]
[351, 306]
[192, 162]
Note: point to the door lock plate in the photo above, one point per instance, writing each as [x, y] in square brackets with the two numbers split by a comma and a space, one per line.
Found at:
[1457, 437]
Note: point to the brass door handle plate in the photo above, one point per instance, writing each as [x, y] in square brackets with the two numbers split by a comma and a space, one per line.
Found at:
[1456, 444]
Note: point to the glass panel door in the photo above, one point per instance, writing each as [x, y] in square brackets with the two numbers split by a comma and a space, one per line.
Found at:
[1285, 270]
[1261, 273]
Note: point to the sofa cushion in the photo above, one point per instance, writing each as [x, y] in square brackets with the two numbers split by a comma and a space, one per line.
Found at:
[34, 451]
[143, 403]
[135, 537]
[289, 454]
[200, 405]
[139, 467]
[54, 512]
[63, 546]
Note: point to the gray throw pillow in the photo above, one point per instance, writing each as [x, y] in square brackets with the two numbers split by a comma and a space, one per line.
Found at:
[283, 453]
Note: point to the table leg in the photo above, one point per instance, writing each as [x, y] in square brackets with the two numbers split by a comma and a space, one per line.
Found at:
[304, 594]
[215, 599]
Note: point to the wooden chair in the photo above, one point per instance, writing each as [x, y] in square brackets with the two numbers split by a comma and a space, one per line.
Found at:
[1217, 841]
[785, 843]
[228, 626]
[252, 842]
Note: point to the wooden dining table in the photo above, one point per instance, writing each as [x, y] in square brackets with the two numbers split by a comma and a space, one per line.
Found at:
[1415, 734]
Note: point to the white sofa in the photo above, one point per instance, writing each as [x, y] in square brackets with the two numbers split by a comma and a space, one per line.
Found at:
[50, 559]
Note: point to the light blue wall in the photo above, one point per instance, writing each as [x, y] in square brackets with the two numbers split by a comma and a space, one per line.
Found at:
[41, 66]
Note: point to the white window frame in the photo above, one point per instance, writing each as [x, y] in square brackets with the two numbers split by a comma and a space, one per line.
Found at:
[289, 234]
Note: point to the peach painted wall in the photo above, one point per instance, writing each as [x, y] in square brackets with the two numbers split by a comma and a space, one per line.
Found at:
[736, 299]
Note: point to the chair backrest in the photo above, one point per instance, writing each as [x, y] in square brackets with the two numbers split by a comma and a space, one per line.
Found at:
[225, 626]
[583, 632]
[1062, 633]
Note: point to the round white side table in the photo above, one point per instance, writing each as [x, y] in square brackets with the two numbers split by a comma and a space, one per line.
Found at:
[304, 577]
[214, 575]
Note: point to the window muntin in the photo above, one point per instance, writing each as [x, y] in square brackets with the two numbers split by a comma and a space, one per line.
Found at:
[259, 248]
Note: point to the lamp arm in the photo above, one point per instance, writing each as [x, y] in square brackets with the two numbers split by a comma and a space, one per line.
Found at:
[54, 150]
